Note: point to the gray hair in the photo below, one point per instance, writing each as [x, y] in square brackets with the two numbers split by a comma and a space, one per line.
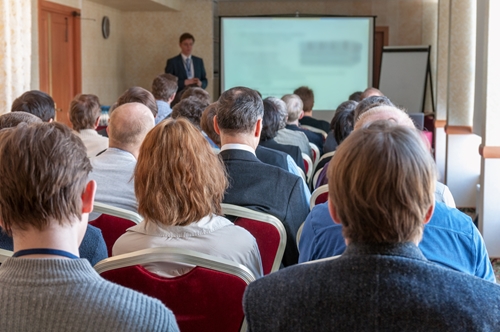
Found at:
[12, 119]
[294, 106]
[238, 110]
[281, 106]
[369, 103]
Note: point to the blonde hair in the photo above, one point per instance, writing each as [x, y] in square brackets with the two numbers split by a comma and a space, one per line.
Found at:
[389, 176]
[178, 179]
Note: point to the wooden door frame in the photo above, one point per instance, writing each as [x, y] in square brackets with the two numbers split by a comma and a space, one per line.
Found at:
[77, 45]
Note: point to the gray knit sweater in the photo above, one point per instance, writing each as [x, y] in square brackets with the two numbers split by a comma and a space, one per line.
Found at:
[68, 295]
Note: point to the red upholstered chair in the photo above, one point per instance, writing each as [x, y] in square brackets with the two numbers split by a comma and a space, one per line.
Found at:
[268, 231]
[316, 154]
[308, 165]
[4, 254]
[113, 222]
[320, 195]
[208, 298]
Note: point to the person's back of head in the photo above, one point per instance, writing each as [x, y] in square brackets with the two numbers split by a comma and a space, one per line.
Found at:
[371, 92]
[342, 123]
[238, 110]
[193, 185]
[281, 107]
[271, 121]
[140, 95]
[307, 97]
[390, 177]
[356, 96]
[369, 103]
[164, 87]
[196, 92]
[43, 175]
[384, 112]
[207, 123]
[84, 112]
[37, 103]
[190, 108]
[128, 125]
[12, 119]
[294, 107]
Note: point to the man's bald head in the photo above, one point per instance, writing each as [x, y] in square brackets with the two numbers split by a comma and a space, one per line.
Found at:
[390, 113]
[129, 124]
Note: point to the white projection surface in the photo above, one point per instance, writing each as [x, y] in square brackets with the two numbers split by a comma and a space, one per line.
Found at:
[331, 55]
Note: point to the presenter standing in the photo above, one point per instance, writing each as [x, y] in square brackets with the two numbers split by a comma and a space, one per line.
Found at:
[189, 69]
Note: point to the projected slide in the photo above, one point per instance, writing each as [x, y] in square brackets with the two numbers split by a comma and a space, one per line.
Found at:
[333, 56]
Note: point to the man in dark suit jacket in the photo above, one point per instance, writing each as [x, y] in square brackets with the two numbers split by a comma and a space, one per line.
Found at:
[188, 68]
[307, 96]
[382, 192]
[253, 184]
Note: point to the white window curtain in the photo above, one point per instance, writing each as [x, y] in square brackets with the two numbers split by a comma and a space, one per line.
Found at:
[15, 50]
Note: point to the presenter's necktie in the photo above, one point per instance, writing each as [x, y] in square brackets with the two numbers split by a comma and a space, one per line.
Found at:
[188, 67]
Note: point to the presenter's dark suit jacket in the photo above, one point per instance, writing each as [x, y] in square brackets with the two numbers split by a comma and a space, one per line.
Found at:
[372, 288]
[292, 150]
[175, 66]
[268, 189]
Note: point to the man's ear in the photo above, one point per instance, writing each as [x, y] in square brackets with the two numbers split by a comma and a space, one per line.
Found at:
[333, 212]
[96, 124]
[429, 213]
[216, 126]
[301, 115]
[88, 197]
[171, 98]
[258, 128]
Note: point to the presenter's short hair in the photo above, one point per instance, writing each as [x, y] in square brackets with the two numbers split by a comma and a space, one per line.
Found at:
[390, 177]
[43, 174]
[271, 121]
[84, 110]
[37, 103]
[197, 93]
[238, 110]
[191, 180]
[307, 96]
[164, 86]
[184, 36]
[207, 123]
[137, 94]
[294, 106]
[12, 119]
[190, 108]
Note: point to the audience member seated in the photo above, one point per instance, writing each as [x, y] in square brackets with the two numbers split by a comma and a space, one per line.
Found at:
[207, 125]
[113, 170]
[294, 108]
[287, 136]
[343, 121]
[164, 89]
[93, 247]
[139, 95]
[37, 103]
[382, 193]
[253, 184]
[270, 126]
[198, 93]
[46, 286]
[180, 202]
[369, 92]
[370, 102]
[84, 115]
[307, 97]
[450, 238]
[356, 96]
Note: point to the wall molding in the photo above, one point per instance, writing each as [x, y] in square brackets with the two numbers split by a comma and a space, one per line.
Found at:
[439, 123]
[458, 130]
[489, 152]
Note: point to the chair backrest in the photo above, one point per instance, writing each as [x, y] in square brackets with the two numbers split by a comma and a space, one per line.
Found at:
[113, 222]
[308, 164]
[316, 154]
[316, 130]
[207, 298]
[299, 233]
[268, 231]
[4, 254]
[319, 196]
[315, 178]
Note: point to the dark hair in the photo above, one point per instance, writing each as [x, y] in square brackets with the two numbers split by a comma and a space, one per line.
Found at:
[164, 86]
[37, 103]
[356, 96]
[343, 121]
[371, 92]
[207, 123]
[369, 103]
[184, 36]
[84, 110]
[137, 94]
[43, 174]
[307, 96]
[238, 110]
[196, 92]
[9, 120]
[190, 108]
[271, 121]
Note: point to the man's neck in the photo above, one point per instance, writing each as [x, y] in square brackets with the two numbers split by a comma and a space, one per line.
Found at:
[308, 113]
[294, 123]
[132, 149]
[239, 139]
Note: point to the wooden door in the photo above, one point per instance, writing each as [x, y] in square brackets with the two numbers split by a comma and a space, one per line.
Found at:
[381, 40]
[60, 64]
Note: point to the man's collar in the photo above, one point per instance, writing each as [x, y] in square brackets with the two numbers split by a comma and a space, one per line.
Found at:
[236, 146]
[184, 57]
